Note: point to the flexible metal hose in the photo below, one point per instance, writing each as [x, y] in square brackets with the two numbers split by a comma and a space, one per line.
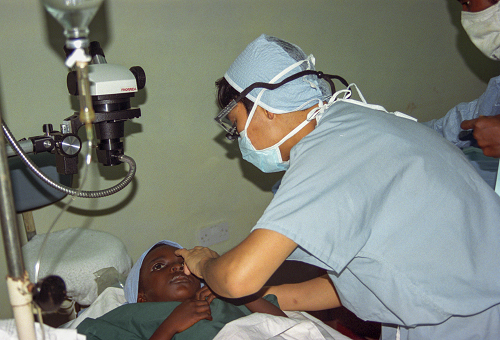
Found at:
[67, 190]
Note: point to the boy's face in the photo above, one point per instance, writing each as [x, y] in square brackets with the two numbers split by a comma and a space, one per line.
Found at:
[162, 278]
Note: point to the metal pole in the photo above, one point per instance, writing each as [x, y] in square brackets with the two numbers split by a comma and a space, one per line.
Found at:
[10, 231]
[17, 279]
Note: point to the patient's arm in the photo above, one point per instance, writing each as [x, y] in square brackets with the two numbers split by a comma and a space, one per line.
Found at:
[254, 303]
[312, 295]
[182, 317]
[260, 305]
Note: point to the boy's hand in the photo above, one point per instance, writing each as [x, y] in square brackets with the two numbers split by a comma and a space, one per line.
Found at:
[205, 294]
[182, 317]
[188, 313]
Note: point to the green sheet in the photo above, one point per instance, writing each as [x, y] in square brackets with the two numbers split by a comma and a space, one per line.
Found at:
[140, 320]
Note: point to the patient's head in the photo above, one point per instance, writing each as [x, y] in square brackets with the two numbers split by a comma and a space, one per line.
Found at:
[156, 276]
[162, 277]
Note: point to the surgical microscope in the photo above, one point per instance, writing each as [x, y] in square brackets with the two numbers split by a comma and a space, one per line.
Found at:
[104, 92]
[111, 87]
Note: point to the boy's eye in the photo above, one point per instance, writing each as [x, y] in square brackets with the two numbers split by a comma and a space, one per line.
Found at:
[157, 266]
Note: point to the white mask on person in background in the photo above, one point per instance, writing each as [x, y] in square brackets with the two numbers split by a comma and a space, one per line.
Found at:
[483, 29]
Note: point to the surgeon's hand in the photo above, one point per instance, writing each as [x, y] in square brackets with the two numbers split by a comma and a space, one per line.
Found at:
[195, 259]
[486, 132]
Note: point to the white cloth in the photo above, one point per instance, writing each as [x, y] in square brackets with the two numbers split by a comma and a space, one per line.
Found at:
[297, 326]
[75, 254]
[8, 331]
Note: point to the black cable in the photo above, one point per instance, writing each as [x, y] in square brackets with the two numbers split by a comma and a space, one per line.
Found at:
[269, 86]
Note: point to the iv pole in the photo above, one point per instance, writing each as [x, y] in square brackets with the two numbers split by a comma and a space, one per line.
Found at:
[18, 284]
[17, 278]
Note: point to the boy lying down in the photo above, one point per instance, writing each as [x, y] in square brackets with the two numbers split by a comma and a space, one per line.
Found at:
[164, 303]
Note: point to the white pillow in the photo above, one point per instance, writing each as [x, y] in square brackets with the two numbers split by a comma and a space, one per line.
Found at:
[75, 254]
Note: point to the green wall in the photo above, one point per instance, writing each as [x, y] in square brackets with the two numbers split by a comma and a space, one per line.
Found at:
[410, 56]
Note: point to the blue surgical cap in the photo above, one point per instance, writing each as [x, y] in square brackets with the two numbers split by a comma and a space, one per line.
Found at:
[261, 61]
[132, 283]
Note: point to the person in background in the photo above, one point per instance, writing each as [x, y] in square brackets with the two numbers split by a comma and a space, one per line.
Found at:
[481, 21]
[368, 195]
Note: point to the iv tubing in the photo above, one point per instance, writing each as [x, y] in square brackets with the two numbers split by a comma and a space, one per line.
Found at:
[66, 206]
[65, 189]
[87, 114]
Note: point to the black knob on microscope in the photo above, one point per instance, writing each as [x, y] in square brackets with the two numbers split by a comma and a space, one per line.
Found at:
[95, 49]
[47, 128]
[140, 76]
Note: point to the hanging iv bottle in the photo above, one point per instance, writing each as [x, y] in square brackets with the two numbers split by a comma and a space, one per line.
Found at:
[74, 16]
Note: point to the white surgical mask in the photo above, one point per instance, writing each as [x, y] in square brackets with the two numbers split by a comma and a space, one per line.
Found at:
[269, 159]
[483, 29]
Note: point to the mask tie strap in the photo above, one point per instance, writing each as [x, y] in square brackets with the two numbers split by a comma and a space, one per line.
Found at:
[346, 92]
[359, 92]
[290, 134]
[254, 107]
[276, 77]
[291, 67]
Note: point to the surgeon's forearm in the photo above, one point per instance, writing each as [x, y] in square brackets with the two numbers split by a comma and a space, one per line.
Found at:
[218, 277]
[243, 270]
[228, 276]
[312, 295]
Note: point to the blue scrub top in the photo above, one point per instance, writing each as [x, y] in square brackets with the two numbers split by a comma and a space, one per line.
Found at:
[488, 104]
[406, 227]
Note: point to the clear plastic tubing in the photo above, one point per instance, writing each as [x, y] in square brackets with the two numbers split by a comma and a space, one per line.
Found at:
[87, 114]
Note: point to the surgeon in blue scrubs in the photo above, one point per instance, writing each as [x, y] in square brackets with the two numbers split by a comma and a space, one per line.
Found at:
[481, 21]
[368, 195]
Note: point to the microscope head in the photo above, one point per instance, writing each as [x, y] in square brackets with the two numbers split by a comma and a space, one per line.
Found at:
[111, 87]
